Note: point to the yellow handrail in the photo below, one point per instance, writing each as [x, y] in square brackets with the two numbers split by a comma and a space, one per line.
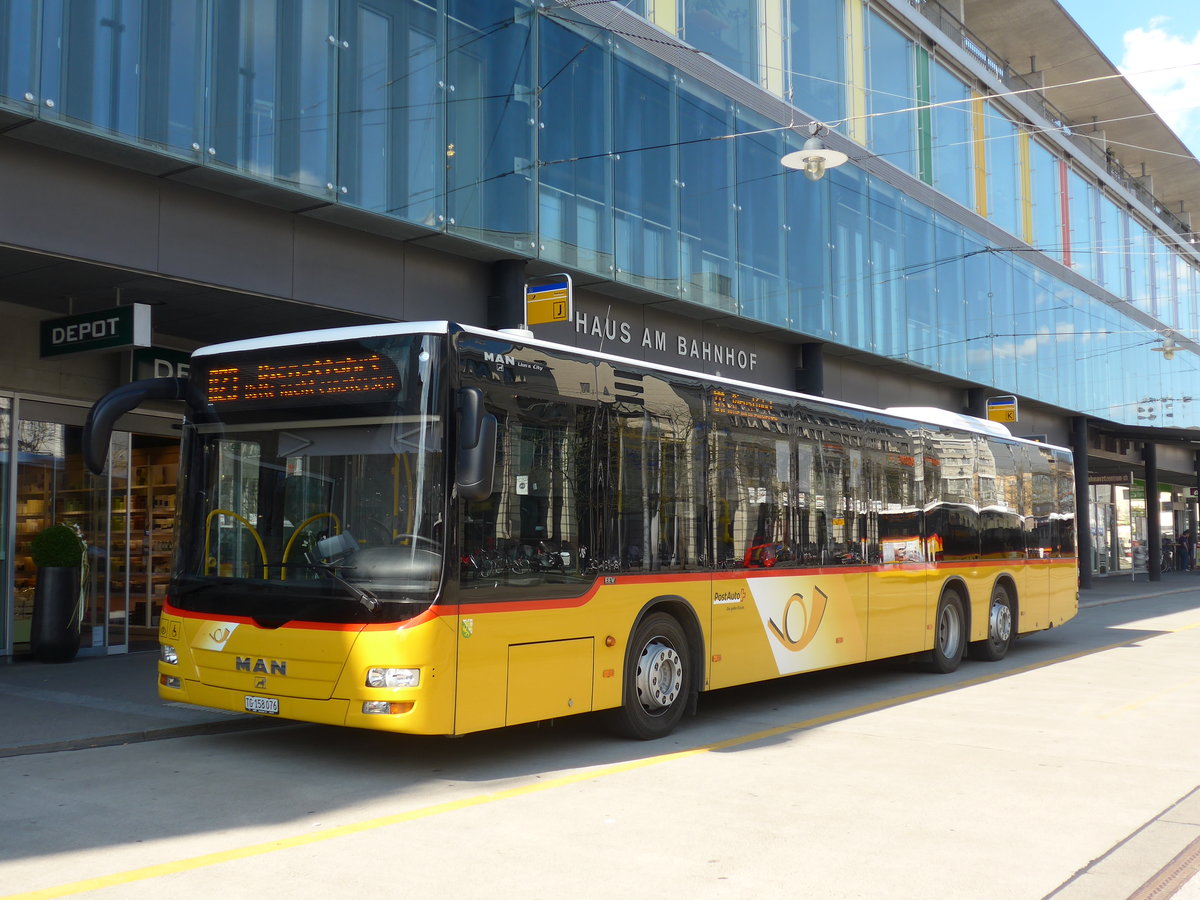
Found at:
[254, 533]
[337, 523]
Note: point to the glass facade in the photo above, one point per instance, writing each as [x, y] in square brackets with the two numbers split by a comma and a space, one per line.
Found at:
[891, 94]
[953, 164]
[816, 63]
[727, 31]
[541, 136]
[1004, 200]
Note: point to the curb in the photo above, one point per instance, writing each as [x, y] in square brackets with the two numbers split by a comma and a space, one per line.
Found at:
[138, 737]
[1109, 601]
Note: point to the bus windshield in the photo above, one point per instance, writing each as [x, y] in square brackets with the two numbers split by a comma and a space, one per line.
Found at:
[315, 484]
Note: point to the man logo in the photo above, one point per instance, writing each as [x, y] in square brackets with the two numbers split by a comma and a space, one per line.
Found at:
[260, 666]
[800, 620]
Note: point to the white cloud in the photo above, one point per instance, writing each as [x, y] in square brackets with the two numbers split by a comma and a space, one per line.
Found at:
[1165, 69]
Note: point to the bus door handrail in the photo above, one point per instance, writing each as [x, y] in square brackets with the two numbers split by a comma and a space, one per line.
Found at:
[253, 531]
[299, 528]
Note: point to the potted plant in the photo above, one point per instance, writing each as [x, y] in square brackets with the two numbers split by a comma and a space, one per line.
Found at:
[60, 554]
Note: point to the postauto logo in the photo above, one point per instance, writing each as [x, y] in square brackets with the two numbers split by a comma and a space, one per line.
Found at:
[800, 619]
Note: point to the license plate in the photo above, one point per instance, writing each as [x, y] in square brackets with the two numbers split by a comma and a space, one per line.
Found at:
[268, 705]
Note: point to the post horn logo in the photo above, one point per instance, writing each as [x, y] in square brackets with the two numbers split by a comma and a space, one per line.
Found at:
[807, 617]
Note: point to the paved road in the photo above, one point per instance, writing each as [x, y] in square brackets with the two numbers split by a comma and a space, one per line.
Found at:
[1072, 769]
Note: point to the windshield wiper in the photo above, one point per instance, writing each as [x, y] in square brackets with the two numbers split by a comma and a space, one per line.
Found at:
[340, 547]
[364, 596]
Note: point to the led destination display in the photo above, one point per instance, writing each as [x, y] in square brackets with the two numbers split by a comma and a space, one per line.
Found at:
[310, 380]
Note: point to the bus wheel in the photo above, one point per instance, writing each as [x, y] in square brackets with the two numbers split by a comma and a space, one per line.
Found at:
[949, 638]
[657, 671]
[1000, 628]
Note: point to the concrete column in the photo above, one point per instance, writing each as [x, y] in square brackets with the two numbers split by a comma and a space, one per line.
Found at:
[1153, 517]
[810, 369]
[1192, 523]
[976, 403]
[506, 301]
[1083, 506]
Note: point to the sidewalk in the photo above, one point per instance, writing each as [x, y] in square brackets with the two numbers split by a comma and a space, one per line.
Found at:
[97, 701]
[1119, 588]
[110, 700]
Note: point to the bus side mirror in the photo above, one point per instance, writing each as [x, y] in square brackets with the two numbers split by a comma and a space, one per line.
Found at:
[97, 430]
[476, 446]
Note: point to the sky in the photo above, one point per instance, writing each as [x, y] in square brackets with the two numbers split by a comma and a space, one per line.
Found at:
[1156, 44]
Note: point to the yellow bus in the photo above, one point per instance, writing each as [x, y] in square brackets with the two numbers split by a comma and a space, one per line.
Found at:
[438, 529]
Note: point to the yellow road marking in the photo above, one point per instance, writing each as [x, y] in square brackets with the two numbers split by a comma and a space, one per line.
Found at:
[211, 859]
[1139, 703]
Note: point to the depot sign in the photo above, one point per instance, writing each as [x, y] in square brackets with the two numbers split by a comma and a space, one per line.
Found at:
[110, 329]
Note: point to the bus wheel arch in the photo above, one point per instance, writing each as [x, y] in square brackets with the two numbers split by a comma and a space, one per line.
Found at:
[662, 672]
[1002, 618]
[951, 628]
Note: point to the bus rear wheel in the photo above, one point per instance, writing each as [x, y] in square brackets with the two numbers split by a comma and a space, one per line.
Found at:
[1000, 628]
[949, 634]
[658, 669]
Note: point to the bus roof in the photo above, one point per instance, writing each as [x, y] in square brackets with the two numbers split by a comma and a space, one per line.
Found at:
[929, 415]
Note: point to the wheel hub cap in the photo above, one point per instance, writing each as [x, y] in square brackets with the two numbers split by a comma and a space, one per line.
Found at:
[1001, 622]
[659, 676]
[949, 631]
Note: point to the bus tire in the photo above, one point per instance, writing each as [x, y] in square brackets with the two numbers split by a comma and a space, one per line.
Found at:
[658, 672]
[949, 634]
[1001, 628]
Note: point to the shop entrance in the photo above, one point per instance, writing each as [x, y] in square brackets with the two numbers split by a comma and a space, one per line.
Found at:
[142, 470]
[1106, 547]
[126, 517]
[1118, 529]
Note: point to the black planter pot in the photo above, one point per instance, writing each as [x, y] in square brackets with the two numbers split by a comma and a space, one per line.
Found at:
[54, 632]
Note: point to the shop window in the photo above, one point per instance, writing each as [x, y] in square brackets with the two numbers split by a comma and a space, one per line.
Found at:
[53, 488]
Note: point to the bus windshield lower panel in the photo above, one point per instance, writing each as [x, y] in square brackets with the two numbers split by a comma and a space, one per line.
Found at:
[320, 512]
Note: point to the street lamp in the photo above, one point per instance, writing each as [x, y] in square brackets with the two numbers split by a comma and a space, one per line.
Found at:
[1168, 348]
[815, 158]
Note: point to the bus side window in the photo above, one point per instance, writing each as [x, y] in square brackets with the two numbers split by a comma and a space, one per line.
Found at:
[525, 539]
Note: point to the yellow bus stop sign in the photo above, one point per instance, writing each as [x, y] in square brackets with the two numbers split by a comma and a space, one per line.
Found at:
[551, 302]
[1002, 409]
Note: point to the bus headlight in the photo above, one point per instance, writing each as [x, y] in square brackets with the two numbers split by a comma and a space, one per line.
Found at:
[381, 677]
[168, 655]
